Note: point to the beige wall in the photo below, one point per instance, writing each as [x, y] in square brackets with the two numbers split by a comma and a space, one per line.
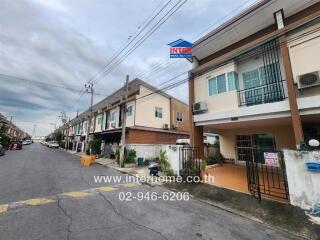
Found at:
[177, 106]
[304, 56]
[220, 102]
[145, 109]
[283, 135]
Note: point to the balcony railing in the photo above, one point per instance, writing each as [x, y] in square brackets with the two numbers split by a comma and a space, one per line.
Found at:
[268, 93]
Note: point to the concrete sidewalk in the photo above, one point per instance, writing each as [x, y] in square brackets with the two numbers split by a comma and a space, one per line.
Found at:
[278, 215]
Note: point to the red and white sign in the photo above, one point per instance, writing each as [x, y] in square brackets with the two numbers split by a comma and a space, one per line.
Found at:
[271, 159]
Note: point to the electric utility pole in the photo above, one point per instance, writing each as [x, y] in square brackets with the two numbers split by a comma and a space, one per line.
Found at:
[89, 89]
[123, 121]
[34, 131]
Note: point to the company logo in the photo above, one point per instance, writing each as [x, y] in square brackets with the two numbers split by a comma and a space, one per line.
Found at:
[180, 49]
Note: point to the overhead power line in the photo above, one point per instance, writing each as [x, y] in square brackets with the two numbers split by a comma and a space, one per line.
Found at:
[105, 68]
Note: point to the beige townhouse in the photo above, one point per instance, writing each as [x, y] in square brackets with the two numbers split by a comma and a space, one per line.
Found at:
[153, 118]
[255, 82]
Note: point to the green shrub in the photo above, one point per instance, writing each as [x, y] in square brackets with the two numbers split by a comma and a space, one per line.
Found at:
[216, 158]
[165, 167]
[95, 146]
[4, 139]
[131, 156]
[62, 144]
[117, 155]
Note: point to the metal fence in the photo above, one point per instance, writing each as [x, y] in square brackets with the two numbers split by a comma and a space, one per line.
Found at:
[267, 180]
[190, 162]
[268, 93]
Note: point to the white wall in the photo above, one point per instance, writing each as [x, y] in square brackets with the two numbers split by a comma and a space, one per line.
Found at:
[149, 151]
[173, 158]
[304, 186]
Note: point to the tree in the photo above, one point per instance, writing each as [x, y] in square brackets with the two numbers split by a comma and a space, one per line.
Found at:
[4, 139]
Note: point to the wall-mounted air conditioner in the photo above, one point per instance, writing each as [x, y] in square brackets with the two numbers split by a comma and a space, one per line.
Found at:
[200, 107]
[165, 126]
[308, 80]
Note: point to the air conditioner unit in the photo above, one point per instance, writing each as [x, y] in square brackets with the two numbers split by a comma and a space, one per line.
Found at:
[200, 107]
[166, 126]
[309, 80]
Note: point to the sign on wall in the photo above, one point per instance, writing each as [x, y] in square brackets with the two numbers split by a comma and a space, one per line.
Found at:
[271, 159]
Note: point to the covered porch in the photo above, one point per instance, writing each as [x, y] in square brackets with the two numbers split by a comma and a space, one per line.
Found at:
[252, 153]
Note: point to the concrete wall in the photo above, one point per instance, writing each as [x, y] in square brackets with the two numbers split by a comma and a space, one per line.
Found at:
[304, 186]
[283, 135]
[145, 109]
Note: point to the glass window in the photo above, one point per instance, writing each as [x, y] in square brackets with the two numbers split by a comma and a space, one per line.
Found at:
[221, 83]
[251, 79]
[179, 117]
[129, 111]
[99, 120]
[233, 81]
[158, 112]
[113, 116]
[213, 86]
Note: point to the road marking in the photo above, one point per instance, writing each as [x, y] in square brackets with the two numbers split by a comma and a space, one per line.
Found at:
[51, 199]
[3, 208]
[37, 201]
[107, 189]
[76, 194]
[129, 185]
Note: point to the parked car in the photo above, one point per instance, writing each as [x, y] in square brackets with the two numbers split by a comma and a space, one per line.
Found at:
[53, 144]
[15, 145]
[2, 150]
[26, 142]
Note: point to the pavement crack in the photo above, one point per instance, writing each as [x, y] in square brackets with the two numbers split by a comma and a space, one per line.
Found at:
[129, 219]
[67, 215]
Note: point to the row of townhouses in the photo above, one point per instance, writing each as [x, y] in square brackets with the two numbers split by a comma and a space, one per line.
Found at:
[153, 118]
[14, 132]
[254, 82]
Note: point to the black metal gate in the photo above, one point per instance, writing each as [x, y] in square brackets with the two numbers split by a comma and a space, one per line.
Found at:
[189, 162]
[265, 179]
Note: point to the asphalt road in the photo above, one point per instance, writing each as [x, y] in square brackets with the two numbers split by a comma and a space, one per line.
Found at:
[45, 194]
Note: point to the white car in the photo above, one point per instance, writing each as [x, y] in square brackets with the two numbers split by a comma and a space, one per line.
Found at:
[53, 144]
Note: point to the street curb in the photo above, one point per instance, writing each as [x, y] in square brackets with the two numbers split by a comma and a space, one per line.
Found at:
[143, 183]
[244, 215]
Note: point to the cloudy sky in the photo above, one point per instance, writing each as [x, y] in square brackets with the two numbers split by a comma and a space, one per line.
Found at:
[50, 48]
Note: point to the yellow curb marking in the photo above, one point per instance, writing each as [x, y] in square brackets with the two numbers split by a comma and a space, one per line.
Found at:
[3, 208]
[37, 201]
[76, 194]
[107, 189]
[129, 185]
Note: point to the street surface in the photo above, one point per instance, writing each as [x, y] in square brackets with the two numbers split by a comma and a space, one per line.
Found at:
[46, 194]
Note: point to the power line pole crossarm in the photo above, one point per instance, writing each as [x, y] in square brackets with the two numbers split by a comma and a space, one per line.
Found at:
[123, 122]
